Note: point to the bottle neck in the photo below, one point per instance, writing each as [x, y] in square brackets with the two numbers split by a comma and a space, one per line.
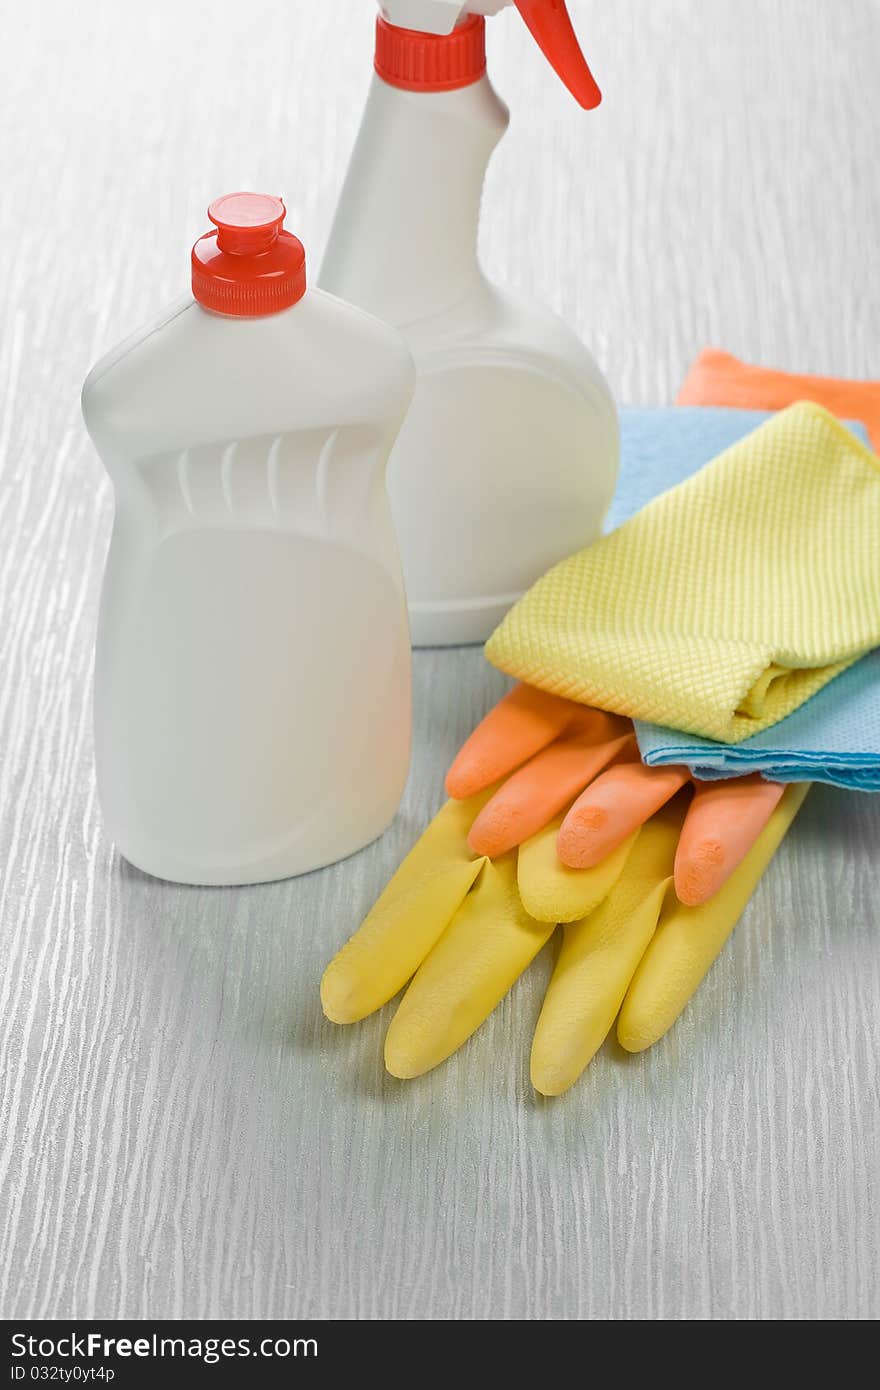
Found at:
[404, 242]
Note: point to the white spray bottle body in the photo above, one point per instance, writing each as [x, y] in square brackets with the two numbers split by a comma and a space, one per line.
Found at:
[252, 679]
[508, 458]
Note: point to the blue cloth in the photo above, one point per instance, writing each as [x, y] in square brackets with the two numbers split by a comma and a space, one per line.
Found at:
[835, 736]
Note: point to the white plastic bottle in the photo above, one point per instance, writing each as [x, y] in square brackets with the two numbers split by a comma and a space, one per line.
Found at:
[252, 681]
[508, 458]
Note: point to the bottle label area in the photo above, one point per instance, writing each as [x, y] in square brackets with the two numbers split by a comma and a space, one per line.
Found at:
[252, 648]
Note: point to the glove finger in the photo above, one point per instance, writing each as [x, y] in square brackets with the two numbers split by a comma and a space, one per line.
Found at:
[521, 724]
[612, 807]
[413, 911]
[550, 892]
[688, 939]
[537, 792]
[485, 948]
[724, 821]
[598, 958]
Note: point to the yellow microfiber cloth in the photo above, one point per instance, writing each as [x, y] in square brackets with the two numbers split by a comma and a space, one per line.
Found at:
[728, 601]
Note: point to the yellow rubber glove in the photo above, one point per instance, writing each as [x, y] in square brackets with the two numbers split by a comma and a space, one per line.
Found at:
[641, 955]
[456, 924]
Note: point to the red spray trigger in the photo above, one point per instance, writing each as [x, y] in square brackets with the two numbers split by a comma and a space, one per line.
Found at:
[550, 26]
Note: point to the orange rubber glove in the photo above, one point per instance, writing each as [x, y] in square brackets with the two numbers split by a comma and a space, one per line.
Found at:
[556, 755]
[718, 378]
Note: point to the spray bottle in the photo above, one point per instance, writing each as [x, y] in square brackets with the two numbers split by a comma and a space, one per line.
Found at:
[508, 458]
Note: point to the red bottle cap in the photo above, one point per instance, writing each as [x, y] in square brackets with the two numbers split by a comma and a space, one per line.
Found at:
[420, 62]
[249, 265]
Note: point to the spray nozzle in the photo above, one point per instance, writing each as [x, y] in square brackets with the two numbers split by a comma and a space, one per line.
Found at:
[548, 22]
[550, 26]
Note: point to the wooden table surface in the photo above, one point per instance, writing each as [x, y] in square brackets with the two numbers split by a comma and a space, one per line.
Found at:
[181, 1133]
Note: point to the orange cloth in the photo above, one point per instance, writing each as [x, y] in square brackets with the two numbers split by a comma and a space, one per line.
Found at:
[718, 378]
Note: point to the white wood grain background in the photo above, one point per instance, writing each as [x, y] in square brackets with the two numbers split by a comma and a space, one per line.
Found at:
[181, 1134]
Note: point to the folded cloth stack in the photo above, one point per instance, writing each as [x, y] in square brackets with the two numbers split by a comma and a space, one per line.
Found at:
[762, 550]
[725, 603]
[835, 736]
